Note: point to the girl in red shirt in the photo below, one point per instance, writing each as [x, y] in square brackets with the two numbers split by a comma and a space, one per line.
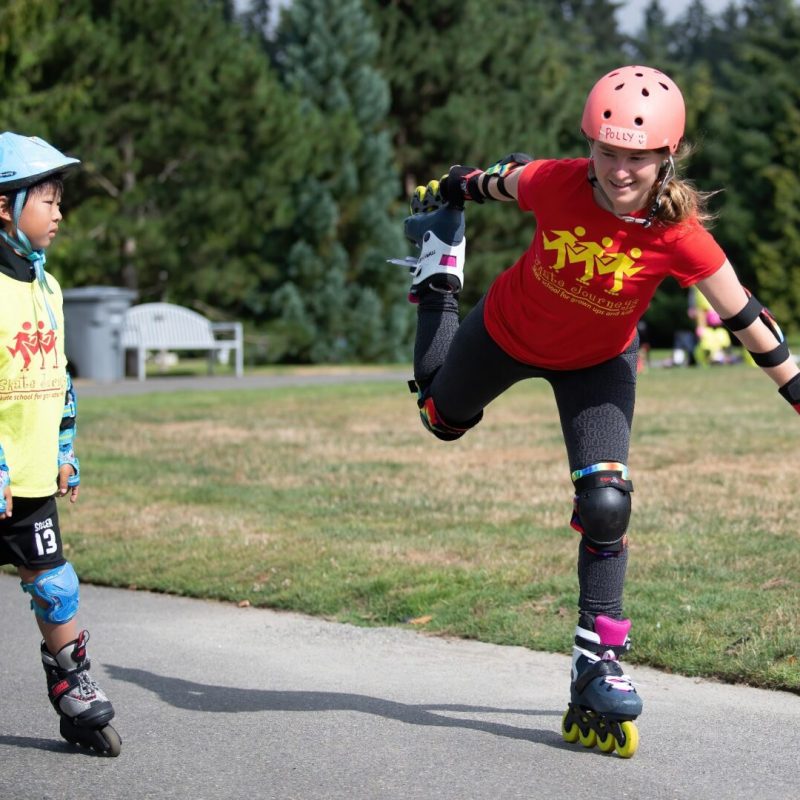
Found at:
[609, 229]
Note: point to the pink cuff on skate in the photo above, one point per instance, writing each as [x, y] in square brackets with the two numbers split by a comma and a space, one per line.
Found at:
[612, 632]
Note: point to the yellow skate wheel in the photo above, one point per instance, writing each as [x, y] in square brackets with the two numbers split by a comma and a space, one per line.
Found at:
[607, 743]
[589, 739]
[569, 730]
[627, 748]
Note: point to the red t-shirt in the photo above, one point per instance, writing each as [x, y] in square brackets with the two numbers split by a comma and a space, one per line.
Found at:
[574, 297]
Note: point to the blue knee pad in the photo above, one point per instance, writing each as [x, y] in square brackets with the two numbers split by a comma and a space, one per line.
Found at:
[59, 589]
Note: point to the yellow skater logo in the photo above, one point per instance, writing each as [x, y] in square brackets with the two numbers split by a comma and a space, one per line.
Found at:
[595, 257]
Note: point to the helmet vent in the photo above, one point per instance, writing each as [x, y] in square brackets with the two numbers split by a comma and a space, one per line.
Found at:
[619, 86]
[638, 122]
[607, 114]
[645, 93]
[663, 86]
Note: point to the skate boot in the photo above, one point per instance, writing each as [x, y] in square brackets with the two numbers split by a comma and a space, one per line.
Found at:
[604, 702]
[437, 230]
[84, 710]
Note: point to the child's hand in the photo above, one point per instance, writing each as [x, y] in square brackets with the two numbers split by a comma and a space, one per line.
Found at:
[65, 472]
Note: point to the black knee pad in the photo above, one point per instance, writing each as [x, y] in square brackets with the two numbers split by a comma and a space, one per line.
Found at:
[602, 507]
[433, 421]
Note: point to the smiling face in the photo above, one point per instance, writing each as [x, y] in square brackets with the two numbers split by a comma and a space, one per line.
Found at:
[626, 176]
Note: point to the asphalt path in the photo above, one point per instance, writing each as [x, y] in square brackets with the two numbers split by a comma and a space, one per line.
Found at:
[319, 377]
[215, 701]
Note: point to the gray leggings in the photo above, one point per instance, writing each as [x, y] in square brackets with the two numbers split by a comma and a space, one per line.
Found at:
[464, 370]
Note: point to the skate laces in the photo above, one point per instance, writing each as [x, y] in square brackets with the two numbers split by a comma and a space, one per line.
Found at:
[623, 681]
[87, 686]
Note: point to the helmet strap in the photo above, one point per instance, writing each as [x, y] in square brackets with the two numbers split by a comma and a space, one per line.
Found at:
[21, 238]
[19, 204]
[37, 258]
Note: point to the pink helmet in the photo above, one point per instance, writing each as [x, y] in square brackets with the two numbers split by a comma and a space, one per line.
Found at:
[635, 107]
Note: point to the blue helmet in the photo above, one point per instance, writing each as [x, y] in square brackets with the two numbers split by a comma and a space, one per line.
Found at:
[25, 160]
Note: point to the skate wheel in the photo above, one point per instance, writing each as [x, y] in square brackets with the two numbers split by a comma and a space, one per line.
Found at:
[569, 730]
[112, 740]
[588, 739]
[626, 748]
[607, 743]
[104, 741]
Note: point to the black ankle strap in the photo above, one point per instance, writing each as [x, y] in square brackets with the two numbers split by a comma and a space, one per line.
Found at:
[598, 669]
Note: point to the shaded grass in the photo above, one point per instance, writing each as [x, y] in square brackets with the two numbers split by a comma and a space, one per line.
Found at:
[333, 501]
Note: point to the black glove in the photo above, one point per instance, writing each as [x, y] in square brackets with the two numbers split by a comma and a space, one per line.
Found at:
[453, 185]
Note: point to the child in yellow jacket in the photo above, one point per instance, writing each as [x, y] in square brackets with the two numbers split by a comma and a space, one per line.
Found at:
[37, 429]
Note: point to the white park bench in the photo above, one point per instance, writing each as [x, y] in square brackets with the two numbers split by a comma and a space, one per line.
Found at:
[164, 326]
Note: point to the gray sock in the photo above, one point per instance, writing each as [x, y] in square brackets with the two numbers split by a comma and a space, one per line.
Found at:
[601, 580]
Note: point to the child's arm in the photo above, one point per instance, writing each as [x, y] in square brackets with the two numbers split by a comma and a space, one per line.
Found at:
[6, 501]
[69, 470]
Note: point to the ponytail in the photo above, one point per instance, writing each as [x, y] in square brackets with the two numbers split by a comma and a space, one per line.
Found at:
[681, 199]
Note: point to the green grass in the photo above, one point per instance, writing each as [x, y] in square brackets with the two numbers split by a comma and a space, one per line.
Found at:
[334, 501]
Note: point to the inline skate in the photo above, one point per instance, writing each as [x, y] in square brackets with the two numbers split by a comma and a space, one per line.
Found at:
[603, 700]
[437, 230]
[84, 709]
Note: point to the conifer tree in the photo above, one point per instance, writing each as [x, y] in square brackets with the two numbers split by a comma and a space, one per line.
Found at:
[472, 82]
[22, 23]
[188, 143]
[761, 131]
[339, 299]
[655, 40]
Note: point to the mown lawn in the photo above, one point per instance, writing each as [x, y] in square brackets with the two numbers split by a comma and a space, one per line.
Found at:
[334, 501]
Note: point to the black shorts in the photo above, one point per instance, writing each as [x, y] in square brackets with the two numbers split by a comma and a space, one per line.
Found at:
[32, 538]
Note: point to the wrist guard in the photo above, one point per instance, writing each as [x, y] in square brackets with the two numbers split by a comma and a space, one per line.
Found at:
[469, 183]
[66, 435]
[501, 169]
[5, 480]
[66, 455]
